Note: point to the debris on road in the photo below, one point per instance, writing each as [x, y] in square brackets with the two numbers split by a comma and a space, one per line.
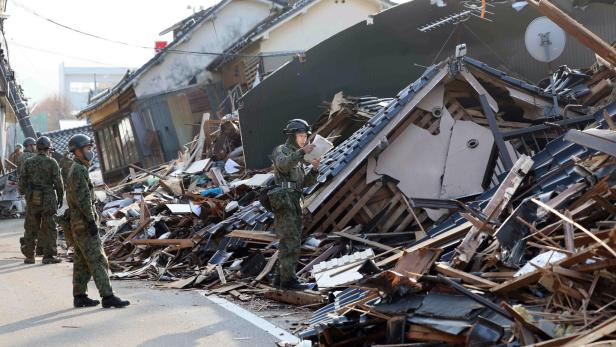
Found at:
[469, 209]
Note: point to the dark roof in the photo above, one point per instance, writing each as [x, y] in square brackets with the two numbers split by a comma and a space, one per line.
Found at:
[338, 158]
[60, 138]
[189, 25]
[266, 24]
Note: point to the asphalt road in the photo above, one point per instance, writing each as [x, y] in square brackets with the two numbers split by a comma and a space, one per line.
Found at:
[36, 310]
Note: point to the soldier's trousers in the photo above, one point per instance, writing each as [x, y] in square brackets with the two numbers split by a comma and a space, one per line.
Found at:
[65, 223]
[288, 227]
[39, 224]
[89, 262]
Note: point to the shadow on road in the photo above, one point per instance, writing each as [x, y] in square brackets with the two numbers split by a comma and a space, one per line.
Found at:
[23, 267]
[43, 319]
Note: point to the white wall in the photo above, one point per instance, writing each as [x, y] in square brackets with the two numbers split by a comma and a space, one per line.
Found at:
[320, 22]
[215, 35]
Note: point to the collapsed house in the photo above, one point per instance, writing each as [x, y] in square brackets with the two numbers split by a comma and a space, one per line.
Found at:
[469, 209]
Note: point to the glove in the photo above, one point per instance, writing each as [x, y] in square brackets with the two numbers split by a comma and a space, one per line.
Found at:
[93, 228]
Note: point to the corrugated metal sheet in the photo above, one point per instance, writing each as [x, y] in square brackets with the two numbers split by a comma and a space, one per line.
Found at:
[379, 59]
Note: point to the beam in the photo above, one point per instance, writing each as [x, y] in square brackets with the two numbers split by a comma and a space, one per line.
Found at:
[575, 29]
[503, 153]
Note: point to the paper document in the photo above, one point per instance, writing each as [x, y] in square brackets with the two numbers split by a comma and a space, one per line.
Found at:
[322, 146]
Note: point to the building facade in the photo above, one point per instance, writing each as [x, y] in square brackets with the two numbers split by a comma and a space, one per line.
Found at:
[79, 84]
[148, 116]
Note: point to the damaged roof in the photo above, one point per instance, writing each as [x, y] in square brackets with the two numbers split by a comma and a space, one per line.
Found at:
[263, 27]
[335, 161]
[185, 28]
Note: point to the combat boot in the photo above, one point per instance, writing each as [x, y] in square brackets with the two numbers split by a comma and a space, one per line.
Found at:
[114, 301]
[51, 260]
[294, 285]
[22, 246]
[29, 260]
[82, 300]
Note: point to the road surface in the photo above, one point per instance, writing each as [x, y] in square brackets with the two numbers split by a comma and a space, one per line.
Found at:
[36, 310]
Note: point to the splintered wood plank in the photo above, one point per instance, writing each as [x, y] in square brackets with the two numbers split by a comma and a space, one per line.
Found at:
[293, 297]
[569, 234]
[253, 235]
[418, 262]
[181, 243]
[370, 243]
[466, 250]
[464, 276]
[268, 267]
[435, 241]
[421, 333]
[569, 220]
[598, 332]
[534, 276]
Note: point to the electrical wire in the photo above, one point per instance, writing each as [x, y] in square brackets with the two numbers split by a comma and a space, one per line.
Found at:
[58, 53]
[444, 44]
[509, 69]
[170, 50]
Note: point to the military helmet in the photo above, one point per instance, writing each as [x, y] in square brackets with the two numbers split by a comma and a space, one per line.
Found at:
[79, 141]
[19, 146]
[295, 126]
[43, 142]
[29, 141]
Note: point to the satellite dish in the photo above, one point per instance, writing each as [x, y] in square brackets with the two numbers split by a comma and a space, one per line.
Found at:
[545, 41]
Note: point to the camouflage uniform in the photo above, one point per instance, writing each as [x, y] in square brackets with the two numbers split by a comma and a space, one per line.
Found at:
[41, 182]
[89, 260]
[65, 163]
[15, 157]
[286, 201]
[20, 163]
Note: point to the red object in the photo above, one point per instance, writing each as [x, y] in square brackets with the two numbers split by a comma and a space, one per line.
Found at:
[159, 45]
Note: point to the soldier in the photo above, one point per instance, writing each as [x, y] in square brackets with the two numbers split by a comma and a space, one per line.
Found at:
[41, 182]
[286, 198]
[89, 259]
[29, 152]
[65, 161]
[16, 155]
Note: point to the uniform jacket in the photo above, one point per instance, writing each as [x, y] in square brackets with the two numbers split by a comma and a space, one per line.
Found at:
[27, 154]
[41, 182]
[288, 167]
[80, 195]
[288, 162]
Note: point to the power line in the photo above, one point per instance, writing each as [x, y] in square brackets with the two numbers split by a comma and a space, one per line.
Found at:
[58, 53]
[176, 51]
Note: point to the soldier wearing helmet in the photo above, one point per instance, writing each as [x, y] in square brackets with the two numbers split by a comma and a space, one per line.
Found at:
[42, 185]
[286, 198]
[89, 260]
[29, 152]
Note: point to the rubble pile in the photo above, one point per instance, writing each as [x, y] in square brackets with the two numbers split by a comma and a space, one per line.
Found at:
[526, 259]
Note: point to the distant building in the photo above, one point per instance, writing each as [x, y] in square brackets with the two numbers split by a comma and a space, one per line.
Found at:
[78, 84]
